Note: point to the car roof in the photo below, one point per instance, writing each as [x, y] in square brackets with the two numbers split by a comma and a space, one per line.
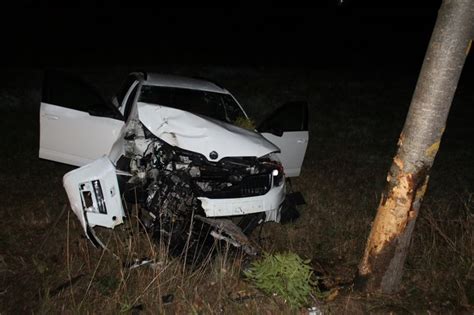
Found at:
[175, 81]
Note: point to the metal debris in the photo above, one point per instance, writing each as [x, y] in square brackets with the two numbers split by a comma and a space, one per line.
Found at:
[235, 235]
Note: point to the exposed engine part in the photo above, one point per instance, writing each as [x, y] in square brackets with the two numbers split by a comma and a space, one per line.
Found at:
[227, 178]
[171, 179]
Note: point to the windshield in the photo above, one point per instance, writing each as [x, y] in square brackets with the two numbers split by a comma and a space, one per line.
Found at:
[214, 105]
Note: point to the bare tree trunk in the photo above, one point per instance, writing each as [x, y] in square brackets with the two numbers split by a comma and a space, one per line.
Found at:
[381, 267]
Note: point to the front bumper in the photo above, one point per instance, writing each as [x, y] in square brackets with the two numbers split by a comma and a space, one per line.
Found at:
[270, 203]
[94, 196]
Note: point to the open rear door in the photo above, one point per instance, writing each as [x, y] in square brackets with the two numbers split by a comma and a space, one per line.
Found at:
[287, 128]
[77, 125]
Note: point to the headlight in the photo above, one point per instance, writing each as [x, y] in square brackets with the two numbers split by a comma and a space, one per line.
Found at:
[277, 175]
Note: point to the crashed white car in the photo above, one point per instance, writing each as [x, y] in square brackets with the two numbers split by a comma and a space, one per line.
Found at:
[172, 145]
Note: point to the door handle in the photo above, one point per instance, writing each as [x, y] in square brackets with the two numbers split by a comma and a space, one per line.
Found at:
[301, 141]
[52, 117]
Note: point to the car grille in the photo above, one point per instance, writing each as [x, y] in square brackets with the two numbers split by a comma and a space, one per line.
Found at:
[255, 185]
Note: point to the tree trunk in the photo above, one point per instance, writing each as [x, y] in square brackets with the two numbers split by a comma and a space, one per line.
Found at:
[381, 267]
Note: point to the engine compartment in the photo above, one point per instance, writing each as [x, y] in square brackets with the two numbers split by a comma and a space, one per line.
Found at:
[167, 180]
[151, 159]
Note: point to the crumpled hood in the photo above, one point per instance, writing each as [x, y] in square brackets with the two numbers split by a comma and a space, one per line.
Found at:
[202, 134]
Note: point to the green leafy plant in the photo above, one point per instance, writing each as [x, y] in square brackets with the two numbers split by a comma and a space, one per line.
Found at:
[286, 275]
[245, 123]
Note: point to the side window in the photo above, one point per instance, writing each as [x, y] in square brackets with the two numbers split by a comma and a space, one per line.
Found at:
[289, 117]
[67, 91]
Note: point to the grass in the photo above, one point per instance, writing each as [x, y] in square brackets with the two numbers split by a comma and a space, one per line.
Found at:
[47, 266]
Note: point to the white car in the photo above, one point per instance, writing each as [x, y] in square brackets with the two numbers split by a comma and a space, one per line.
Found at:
[171, 144]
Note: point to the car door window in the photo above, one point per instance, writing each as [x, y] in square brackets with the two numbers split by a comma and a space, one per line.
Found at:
[64, 90]
[290, 117]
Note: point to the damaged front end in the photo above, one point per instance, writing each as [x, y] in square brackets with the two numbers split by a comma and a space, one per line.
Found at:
[180, 191]
[184, 197]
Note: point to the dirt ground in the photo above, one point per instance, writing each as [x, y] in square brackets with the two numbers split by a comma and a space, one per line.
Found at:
[47, 265]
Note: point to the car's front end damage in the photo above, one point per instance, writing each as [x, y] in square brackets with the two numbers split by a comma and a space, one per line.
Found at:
[181, 168]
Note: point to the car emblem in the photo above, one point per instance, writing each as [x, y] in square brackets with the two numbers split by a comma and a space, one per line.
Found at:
[213, 155]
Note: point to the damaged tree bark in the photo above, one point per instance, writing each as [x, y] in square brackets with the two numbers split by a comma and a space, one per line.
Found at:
[382, 264]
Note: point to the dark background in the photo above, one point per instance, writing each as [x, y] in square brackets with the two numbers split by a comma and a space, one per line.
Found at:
[356, 63]
[348, 34]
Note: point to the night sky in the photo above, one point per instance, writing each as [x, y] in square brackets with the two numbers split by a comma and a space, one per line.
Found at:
[333, 35]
